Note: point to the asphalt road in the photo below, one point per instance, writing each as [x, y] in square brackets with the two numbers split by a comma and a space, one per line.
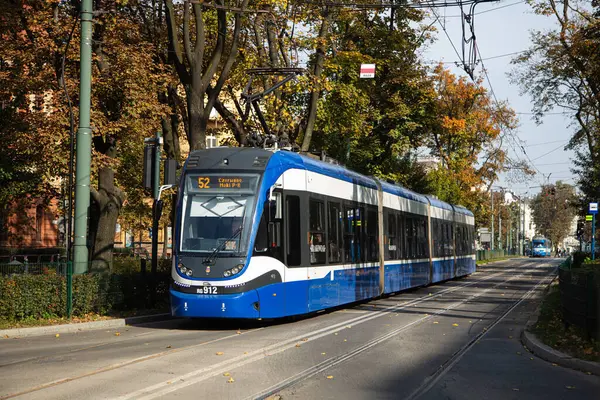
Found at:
[456, 340]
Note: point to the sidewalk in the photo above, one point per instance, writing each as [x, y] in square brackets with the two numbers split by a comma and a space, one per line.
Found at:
[79, 327]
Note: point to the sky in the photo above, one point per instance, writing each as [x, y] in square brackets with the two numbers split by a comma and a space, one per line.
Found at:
[504, 27]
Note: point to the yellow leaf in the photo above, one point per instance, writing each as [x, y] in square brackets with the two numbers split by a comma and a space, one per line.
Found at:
[117, 334]
[226, 374]
[322, 354]
[5, 336]
[454, 324]
[239, 332]
[230, 380]
[519, 353]
[297, 344]
[57, 335]
[330, 377]
[531, 358]
[219, 353]
[435, 322]
[336, 334]
[305, 340]
[554, 365]
[345, 340]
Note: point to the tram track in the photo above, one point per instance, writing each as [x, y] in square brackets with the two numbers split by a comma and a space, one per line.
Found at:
[195, 377]
[155, 390]
[333, 361]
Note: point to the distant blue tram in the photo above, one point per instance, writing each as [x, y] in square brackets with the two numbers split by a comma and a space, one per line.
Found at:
[269, 234]
[541, 247]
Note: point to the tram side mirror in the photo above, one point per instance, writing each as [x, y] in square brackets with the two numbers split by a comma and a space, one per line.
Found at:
[278, 206]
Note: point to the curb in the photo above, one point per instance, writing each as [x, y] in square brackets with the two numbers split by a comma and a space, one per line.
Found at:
[549, 354]
[545, 352]
[79, 327]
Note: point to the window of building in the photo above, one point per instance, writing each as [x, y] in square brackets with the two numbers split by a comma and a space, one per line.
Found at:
[39, 222]
[317, 243]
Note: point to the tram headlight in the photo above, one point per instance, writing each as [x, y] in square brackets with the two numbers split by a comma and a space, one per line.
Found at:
[188, 272]
[182, 268]
[233, 271]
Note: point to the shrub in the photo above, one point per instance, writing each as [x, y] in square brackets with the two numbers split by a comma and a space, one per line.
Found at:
[44, 296]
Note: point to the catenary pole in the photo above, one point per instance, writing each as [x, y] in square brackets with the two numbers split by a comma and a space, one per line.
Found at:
[84, 143]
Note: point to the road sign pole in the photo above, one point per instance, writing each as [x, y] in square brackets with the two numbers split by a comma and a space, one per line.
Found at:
[593, 236]
[593, 209]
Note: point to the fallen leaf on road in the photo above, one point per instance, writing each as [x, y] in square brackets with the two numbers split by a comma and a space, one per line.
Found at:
[588, 351]
[230, 380]
[515, 389]
[335, 334]
[305, 340]
[57, 335]
[554, 365]
[435, 322]
[239, 332]
[570, 387]
[245, 352]
[345, 340]
[470, 322]
[502, 294]
[169, 382]
[510, 337]
[589, 373]
[330, 377]
[117, 333]
[226, 374]
[519, 353]
[219, 353]
[169, 346]
[430, 294]
[297, 344]
[531, 358]
[348, 326]
[322, 354]
[5, 336]
[454, 324]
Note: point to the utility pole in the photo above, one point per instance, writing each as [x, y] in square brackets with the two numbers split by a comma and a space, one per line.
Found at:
[84, 142]
[492, 197]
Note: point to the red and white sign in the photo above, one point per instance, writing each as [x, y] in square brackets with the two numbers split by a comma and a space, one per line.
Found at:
[367, 70]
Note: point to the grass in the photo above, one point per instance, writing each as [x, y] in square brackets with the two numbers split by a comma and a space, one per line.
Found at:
[34, 322]
[550, 329]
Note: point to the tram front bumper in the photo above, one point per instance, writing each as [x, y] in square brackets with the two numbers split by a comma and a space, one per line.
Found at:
[239, 305]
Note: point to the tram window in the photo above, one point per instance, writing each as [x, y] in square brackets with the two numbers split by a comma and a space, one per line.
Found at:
[316, 232]
[349, 235]
[359, 234]
[410, 238]
[261, 244]
[372, 233]
[392, 231]
[335, 236]
[450, 239]
[401, 239]
[421, 237]
[293, 236]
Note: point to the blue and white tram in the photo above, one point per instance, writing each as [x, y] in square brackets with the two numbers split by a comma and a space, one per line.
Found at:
[269, 234]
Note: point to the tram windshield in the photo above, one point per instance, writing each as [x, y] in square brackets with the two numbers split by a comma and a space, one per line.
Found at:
[217, 213]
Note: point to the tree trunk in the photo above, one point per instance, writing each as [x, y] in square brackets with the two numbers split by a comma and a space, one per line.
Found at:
[197, 124]
[107, 203]
[316, 92]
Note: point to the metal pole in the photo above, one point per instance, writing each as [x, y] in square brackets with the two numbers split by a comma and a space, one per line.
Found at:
[499, 228]
[593, 236]
[155, 194]
[84, 143]
[69, 289]
[492, 197]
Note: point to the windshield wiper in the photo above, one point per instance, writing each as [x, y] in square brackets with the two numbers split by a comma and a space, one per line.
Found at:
[220, 247]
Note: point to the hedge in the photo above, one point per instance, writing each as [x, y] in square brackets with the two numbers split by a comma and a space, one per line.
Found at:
[44, 296]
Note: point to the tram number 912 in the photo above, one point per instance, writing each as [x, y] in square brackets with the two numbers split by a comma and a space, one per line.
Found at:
[207, 290]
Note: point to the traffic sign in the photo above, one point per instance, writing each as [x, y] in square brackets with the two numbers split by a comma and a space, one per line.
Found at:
[367, 70]
[589, 217]
[593, 208]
